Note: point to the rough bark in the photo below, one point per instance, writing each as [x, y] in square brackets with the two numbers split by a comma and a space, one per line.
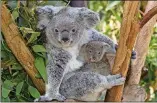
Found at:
[128, 34]
[142, 46]
[134, 93]
[18, 47]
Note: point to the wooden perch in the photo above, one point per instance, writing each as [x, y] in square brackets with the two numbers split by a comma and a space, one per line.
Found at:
[18, 47]
[128, 34]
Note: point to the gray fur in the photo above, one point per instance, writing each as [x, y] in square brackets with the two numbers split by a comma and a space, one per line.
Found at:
[93, 51]
[65, 28]
[91, 69]
[82, 84]
[98, 50]
[66, 31]
[97, 36]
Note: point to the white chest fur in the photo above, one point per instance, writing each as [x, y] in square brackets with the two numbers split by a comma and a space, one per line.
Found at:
[73, 63]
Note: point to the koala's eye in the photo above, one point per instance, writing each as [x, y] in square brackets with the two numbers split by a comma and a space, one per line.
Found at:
[90, 51]
[73, 30]
[99, 53]
[56, 30]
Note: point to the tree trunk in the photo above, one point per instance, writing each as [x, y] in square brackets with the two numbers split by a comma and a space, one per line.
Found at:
[142, 46]
[129, 30]
[18, 47]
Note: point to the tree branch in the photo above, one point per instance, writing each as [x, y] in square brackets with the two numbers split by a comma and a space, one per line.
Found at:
[129, 31]
[142, 45]
[18, 47]
[148, 16]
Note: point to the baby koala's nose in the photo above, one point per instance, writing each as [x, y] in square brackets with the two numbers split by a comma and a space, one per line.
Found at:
[94, 58]
[65, 39]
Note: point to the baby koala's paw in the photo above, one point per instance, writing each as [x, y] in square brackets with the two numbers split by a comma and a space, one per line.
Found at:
[43, 99]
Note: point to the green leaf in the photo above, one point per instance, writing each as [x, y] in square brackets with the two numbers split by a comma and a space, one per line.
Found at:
[19, 88]
[16, 73]
[7, 99]
[38, 76]
[15, 13]
[33, 37]
[16, 67]
[111, 4]
[38, 48]
[4, 55]
[5, 47]
[8, 85]
[34, 92]
[5, 92]
[39, 64]
[25, 31]
[12, 3]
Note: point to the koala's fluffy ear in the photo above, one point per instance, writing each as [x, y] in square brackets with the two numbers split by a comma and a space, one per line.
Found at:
[108, 48]
[44, 14]
[90, 18]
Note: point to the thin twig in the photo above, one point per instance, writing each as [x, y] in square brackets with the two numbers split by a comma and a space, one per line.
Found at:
[68, 3]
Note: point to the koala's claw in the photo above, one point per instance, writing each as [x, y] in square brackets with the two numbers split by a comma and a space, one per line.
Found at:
[119, 81]
[116, 76]
[115, 80]
[113, 77]
[133, 55]
[60, 97]
[43, 99]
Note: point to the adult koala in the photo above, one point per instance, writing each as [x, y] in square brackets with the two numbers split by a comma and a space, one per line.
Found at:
[67, 29]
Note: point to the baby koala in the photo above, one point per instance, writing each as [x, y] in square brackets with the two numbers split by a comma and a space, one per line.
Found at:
[94, 51]
[97, 56]
[78, 87]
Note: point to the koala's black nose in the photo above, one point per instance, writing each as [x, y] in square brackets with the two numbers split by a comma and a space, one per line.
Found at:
[65, 39]
[94, 58]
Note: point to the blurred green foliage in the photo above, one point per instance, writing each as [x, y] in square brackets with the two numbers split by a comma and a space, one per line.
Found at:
[17, 86]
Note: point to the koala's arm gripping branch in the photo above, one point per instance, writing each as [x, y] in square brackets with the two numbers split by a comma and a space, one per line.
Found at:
[129, 31]
[19, 48]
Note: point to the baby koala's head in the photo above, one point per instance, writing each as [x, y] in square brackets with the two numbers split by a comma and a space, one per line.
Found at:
[95, 50]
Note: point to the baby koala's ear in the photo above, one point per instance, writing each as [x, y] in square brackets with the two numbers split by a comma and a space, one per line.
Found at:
[44, 15]
[108, 49]
[89, 17]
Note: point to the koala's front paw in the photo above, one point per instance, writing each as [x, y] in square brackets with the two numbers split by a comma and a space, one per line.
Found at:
[60, 97]
[43, 99]
[133, 55]
[115, 80]
[119, 81]
[57, 97]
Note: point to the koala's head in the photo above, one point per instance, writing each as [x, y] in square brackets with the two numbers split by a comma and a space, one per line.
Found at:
[95, 50]
[65, 26]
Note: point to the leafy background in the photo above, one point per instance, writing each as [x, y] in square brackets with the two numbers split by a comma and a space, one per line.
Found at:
[15, 83]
